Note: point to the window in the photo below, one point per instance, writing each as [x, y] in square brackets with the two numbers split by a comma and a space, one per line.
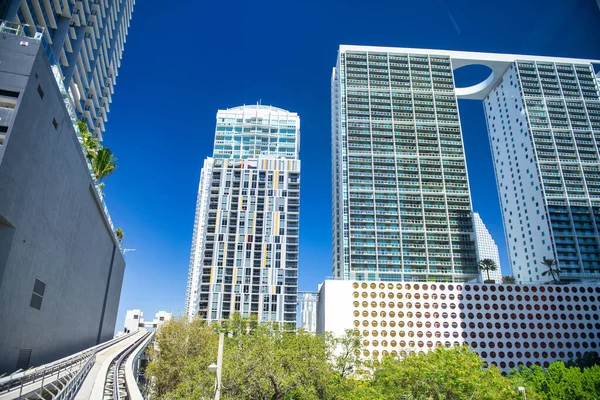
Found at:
[37, 296]
[23, 359]
[54, 123]
[41, 92]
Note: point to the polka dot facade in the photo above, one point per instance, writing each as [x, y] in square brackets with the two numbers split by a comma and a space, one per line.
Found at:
[506, 324]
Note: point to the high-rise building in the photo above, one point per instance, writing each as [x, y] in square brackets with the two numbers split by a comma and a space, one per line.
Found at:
[308, 311]
[486, 249]
[244, 256]
[85, 38]
[543, 118]
[401, 200]
[401, 203]
[61, 266]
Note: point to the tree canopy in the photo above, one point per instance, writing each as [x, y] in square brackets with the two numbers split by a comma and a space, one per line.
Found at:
[270, 362]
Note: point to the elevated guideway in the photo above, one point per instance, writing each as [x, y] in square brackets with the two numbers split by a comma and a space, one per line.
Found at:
[106, 371]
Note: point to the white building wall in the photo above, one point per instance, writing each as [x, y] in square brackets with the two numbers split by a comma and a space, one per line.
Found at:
[308, 312]
[199, 235]
[245, 247]
[506, 325]
[134, 319]
[519, 185]
[486, 249]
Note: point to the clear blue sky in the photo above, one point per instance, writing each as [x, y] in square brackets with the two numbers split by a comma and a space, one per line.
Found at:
[183, 60]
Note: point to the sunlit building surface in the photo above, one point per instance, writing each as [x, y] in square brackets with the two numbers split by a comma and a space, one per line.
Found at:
[308, 311]
[486, 249]
[401, 200]
[244, 255]
[507, 325]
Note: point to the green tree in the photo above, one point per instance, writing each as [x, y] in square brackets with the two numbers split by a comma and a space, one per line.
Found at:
[509, 279]
[487, 265]
[120, 236]
[558, 382]
[260, 361]
[346, 353]
[552, 268]
[179, 368]
[90, 144]
[455, 373]
[588, 360]
[271, 363]
[104, 163]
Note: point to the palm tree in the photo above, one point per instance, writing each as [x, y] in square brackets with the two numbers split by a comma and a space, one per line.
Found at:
[120, 236]
[488, 265]
[90, 144]
[553, 269]
[104, 163]
[509, 279]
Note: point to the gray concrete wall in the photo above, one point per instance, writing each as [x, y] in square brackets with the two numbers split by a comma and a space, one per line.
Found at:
[51, 225]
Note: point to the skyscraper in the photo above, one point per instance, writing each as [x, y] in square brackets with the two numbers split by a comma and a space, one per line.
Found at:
[401, 199]
[86, 40]
[543, 118]
[61, 266]
[308, 311]
[486, 249]
[244, 256]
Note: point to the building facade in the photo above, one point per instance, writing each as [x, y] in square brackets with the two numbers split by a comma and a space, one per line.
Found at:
[401, 202]
[507, 325]
[61, 268]
[486, 249]
[86, 40]
[308, 311]
[244, 255]
[544, 124]
[134, 320]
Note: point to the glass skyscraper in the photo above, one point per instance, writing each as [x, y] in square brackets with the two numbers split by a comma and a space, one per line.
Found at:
[85, 39]
[401, 201]
[244, 256]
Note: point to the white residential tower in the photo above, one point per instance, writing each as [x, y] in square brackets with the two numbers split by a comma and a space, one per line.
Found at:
[244, 255]
[486, 249]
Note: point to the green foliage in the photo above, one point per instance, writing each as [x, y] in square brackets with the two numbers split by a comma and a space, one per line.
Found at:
[588, 360]
[509, 279]
[104, 163]
[90, 144]
[120, 235]
[267, 361]
[346, 360]
[552, 268]
[180, 367]
[101, 158]
[558, 382]
[487, 265]
[441, 374]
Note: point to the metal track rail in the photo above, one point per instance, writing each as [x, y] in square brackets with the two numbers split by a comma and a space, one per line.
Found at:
[53, 377]
[115, 387]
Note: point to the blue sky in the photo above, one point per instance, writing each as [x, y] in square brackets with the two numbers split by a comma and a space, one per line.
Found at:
[184, 61]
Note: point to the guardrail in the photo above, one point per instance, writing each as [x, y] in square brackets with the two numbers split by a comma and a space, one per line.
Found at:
[131, 383]
[55, 369]
[116, 392]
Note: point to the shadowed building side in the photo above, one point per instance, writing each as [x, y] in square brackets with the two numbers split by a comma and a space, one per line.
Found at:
[61, 269]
